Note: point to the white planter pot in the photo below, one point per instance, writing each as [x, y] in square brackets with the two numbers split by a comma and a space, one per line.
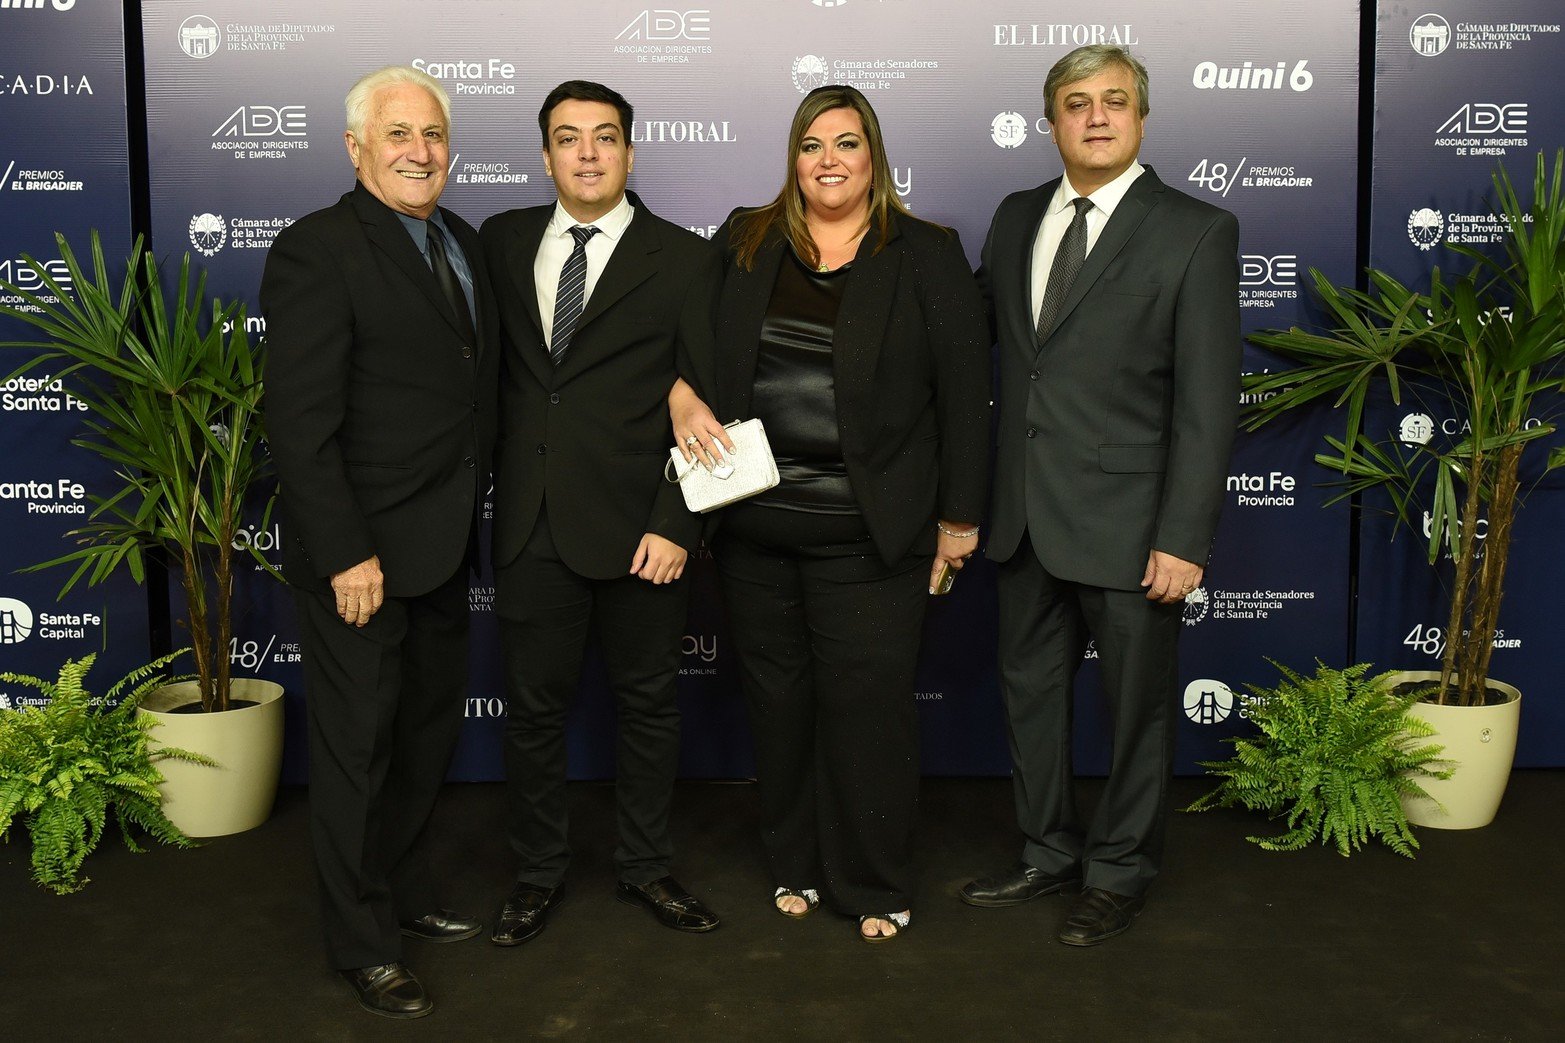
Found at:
[247, 744]
[1481, 742]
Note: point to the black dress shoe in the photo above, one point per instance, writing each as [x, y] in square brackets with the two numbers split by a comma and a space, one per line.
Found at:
[671, 904]
[1022, 884]
[1099, 915]
[524, 913]
[389, 990]
[442, 925]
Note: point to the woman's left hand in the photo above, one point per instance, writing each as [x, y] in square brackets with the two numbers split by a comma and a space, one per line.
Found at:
[952, 550]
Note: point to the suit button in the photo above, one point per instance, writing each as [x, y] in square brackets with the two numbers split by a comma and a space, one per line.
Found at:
[542, 449]
[467, 351]
[468, 460]
[1033, 375]
[554, 400]
[1032, 432]
[475, 407]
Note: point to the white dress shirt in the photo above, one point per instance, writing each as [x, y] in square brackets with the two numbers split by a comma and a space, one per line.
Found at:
[556, 249]
[1057, 218]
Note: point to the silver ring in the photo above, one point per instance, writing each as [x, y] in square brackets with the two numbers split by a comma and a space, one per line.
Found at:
[692, 441]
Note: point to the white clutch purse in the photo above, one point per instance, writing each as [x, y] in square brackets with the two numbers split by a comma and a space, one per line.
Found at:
[750, 469]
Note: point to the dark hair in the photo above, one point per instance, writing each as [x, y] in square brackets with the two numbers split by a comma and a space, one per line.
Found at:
[786, 212]
[586, 90]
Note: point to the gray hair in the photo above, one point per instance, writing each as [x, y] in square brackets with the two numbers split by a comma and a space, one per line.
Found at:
[362, 94]
[1086, 62]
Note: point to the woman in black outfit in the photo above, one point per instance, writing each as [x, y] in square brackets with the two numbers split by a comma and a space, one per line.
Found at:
[856, 333]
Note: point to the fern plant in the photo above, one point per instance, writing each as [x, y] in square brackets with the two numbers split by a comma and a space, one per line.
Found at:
[1336, 754]
[66, 764]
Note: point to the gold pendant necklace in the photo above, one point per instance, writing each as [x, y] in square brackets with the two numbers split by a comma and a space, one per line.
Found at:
[824, 267]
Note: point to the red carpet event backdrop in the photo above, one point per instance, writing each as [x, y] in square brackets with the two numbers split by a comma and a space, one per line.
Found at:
[1254, 106]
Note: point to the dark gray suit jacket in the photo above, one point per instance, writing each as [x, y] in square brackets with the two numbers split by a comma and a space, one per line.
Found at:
[1114, 436]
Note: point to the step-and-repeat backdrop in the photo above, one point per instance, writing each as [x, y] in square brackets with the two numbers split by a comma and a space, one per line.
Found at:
[63, 168]
[1254, 107]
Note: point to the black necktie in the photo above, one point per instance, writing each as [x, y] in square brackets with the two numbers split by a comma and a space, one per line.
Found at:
[450, 285]
[571, 295]
[1067, 262]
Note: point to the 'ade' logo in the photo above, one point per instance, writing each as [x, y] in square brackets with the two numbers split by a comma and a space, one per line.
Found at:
[25, 276]
[259, 121]
[1484, 118]
[669, 25]
[1261, 270]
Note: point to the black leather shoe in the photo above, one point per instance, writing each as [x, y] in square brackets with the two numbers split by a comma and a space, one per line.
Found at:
[671, 904]
[1022, 884]
[1099, 915]
[524, 913]
[389, 990]
[442, 925]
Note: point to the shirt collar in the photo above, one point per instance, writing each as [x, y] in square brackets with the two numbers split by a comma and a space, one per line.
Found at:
[611, 224]
[1105, 198]
[419, 229]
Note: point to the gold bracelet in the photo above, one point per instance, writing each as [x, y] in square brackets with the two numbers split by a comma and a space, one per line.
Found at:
[969, 534]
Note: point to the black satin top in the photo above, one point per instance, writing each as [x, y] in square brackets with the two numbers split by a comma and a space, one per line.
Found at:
[795, 391]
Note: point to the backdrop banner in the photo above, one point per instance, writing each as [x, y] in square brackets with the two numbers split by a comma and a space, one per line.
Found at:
[1254, 108]
[63, 169]
[1462, 87]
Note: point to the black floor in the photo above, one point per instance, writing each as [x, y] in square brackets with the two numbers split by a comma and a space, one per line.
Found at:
[1465, 943]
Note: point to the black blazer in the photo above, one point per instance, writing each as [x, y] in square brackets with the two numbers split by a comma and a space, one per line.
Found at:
[589, 437]
[1114, 437]
[911, 363]
[379, 413]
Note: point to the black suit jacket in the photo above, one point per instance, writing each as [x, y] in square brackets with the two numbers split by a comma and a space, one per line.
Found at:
[379, 413]
[590, 436]
[911, 363]
[1114, 436]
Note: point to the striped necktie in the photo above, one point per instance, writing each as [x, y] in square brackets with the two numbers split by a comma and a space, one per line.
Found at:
[572, 293]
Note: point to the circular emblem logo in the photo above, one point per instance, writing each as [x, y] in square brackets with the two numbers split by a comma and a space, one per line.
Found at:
[1416, 429]
[1425, 227]
[208, 233]
[16, 621]
[199, 36]
[809, 72]
[1430, 35]
[1196, 604]
[1208, 701]
[1008, 129]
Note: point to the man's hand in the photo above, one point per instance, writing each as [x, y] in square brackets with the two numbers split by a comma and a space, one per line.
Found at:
[360, 592]
[699, 434]
[1168, 579]
[658, 560]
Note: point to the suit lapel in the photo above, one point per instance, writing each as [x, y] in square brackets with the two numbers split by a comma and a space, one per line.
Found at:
[632, 263]
[521, 252]
[866, 301]
[385, 230]
[1017, 267]
[483, 304]
[1128, 215]
[741, 312]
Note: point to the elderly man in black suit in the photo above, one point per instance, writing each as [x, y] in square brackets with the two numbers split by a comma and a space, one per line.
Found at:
[597, 294]
[380, 399]
[1115, 301]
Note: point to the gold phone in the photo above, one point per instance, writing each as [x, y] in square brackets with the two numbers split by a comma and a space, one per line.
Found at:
[944, 578]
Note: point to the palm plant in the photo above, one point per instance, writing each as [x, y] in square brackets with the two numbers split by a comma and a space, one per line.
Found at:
[171, 386]
[1492, 344]
[1335, 756]
[66, 764]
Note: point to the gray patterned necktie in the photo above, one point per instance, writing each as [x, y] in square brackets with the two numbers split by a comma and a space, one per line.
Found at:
[572, 293]
[1067, 262]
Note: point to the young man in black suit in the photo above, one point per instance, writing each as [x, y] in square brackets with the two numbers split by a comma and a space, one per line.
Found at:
[597, 295]
[380, 402]
[1115, 301]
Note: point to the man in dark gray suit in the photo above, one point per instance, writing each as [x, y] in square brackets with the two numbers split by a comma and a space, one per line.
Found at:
[1115, 303]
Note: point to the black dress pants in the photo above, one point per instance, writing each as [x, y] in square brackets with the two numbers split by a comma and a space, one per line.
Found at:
[546, 613]
[1045, 623]
[385, 710]
[827, 638]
